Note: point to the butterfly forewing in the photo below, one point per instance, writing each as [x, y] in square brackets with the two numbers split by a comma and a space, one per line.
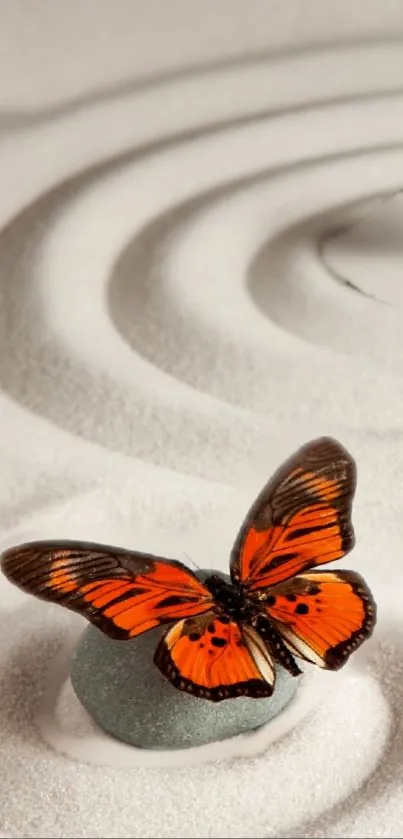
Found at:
[300, 519]
[124, 593]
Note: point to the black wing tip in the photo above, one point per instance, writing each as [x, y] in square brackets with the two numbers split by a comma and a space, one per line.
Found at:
[328, 447]
[327, 444]
[25, 557]
[332, 452]
[51, 544]
[46, 547]
[10, 560]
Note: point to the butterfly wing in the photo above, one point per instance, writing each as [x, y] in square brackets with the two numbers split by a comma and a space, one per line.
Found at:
[123, 593]
[213, 657]
[322, 616]
[300, 519]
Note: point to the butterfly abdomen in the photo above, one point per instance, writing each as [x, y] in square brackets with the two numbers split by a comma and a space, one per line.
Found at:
[275, 644]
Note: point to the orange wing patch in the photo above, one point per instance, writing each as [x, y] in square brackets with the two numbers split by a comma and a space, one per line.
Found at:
[212, 657]
[312, 537]
[322, 616]
[123, 593]
[300, 519]
[60, 579]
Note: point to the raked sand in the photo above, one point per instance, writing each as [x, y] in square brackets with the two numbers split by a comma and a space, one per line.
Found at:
[198, 272]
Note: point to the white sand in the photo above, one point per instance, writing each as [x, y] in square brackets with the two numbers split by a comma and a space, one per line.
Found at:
[174, 321]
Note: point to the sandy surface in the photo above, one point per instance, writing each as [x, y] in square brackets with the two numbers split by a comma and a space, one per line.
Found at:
[198, 273]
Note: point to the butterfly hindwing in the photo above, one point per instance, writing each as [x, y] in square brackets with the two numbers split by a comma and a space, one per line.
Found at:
[322, 616]
[214, 658]
[300, 519]
[123, 593]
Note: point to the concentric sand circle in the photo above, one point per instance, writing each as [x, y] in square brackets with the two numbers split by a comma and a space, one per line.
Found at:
[200, 273]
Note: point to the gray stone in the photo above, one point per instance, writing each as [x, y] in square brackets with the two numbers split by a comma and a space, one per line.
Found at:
[125, 693]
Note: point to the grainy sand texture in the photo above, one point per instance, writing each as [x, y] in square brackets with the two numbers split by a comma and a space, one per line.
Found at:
[201, 262]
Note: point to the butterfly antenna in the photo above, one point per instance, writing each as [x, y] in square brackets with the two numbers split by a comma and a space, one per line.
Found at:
[196, 567]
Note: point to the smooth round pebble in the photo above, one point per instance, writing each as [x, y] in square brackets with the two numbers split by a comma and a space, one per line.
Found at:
[121, 688]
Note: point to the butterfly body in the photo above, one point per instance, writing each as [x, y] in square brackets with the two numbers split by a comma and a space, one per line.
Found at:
[226, 634]
[231, 598]
[233, 603]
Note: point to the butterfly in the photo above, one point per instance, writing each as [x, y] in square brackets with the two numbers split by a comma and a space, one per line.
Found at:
[226, 635]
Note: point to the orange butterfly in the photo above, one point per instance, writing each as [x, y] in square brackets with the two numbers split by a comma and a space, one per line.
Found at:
[227, 635]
